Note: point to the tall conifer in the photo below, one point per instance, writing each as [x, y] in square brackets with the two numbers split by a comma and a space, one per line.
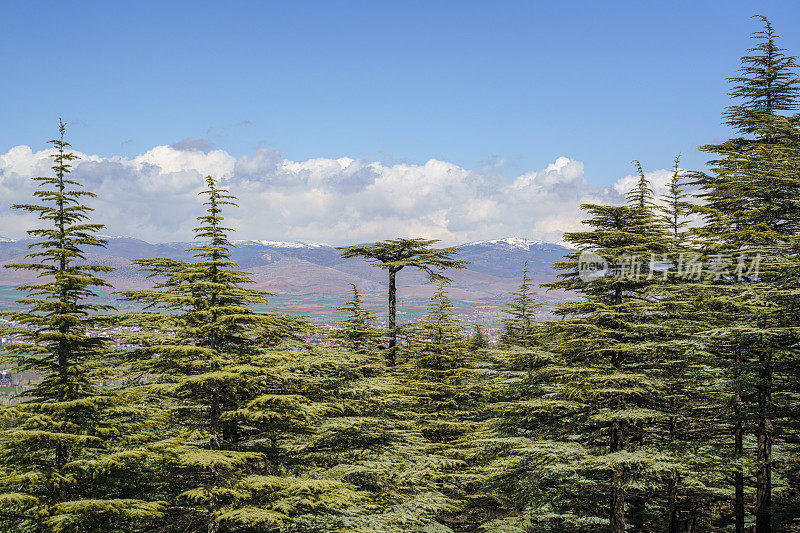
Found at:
[445, 390]
[57, 456]
[750, 202]
[602, 334]
[519, 328]
[396, 254]
[357, 331]
[235, 407]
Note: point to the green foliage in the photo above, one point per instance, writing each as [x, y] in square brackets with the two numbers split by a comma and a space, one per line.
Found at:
[357, 331]
[478, 340]
[446, 391]
[601, 340]
[750, 211]
[520, 328]
[57, 450]
[394, 255]
[675, 208]
[234, 405]
[656, 401]
[641, 195]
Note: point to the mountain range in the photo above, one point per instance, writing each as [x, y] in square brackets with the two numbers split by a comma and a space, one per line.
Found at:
[311, 277]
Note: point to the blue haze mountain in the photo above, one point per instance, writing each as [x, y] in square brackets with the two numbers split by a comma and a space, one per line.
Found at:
[308, 277]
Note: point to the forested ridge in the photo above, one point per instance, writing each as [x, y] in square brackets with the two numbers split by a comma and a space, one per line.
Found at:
[665, 397]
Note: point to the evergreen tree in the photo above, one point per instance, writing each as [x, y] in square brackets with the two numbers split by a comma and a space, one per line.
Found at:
[446, 391]
[665, 398]
[675, 208]
[58, 453]
[550, 404]
[235, 407]
[519, 328]
[641, 195]
[750, 205]
[600, 338]
[365, 438]
[678, 311]
[394, 255]
[528, 465]
[779, 306]
[357, 331]
[478, 340]
[440, 354]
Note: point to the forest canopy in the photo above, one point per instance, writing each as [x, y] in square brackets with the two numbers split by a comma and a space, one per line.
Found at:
[664, 396]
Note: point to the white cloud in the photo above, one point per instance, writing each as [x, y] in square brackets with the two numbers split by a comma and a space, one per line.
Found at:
[154, 196]
[658, 181]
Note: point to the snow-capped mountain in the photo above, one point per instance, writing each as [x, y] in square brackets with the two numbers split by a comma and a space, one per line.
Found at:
[506, 257]
[282, 244]
[307, 264]
[517, 242]
[514, 242]
[310, 277]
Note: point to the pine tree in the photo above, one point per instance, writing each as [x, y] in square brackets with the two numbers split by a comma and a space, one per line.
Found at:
[519, 329]
[364, 437]
[779, 304]
[235, 406]
[357, 331]
[478, 340]
[601, 336]
[394, 255]
[675, 208]
[750, 205]
[549, 408]
[678, 310]
[440, 354]
[528, 465]
[59, 451]
[446, 391]
[641, 195]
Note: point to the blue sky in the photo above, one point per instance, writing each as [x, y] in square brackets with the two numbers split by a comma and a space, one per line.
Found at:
[355, 121]
[601, 82]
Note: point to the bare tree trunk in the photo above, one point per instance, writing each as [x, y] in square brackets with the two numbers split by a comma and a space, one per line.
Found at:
[617, 443]
[617, 502]
[673, 502]
[674, 477]
[392, 355]
[738, 448]
[61, 450]
[63, 329]
[764, 473]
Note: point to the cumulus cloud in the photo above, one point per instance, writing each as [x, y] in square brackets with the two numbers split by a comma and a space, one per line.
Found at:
[193, 143]
[658, 182]
[154, 196]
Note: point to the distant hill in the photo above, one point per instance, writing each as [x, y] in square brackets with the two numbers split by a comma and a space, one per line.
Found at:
[310, 277]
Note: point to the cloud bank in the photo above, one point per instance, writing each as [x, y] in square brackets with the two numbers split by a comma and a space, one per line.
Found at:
[154, 196]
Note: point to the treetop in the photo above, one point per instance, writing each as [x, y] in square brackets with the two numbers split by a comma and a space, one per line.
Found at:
[394, 254]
